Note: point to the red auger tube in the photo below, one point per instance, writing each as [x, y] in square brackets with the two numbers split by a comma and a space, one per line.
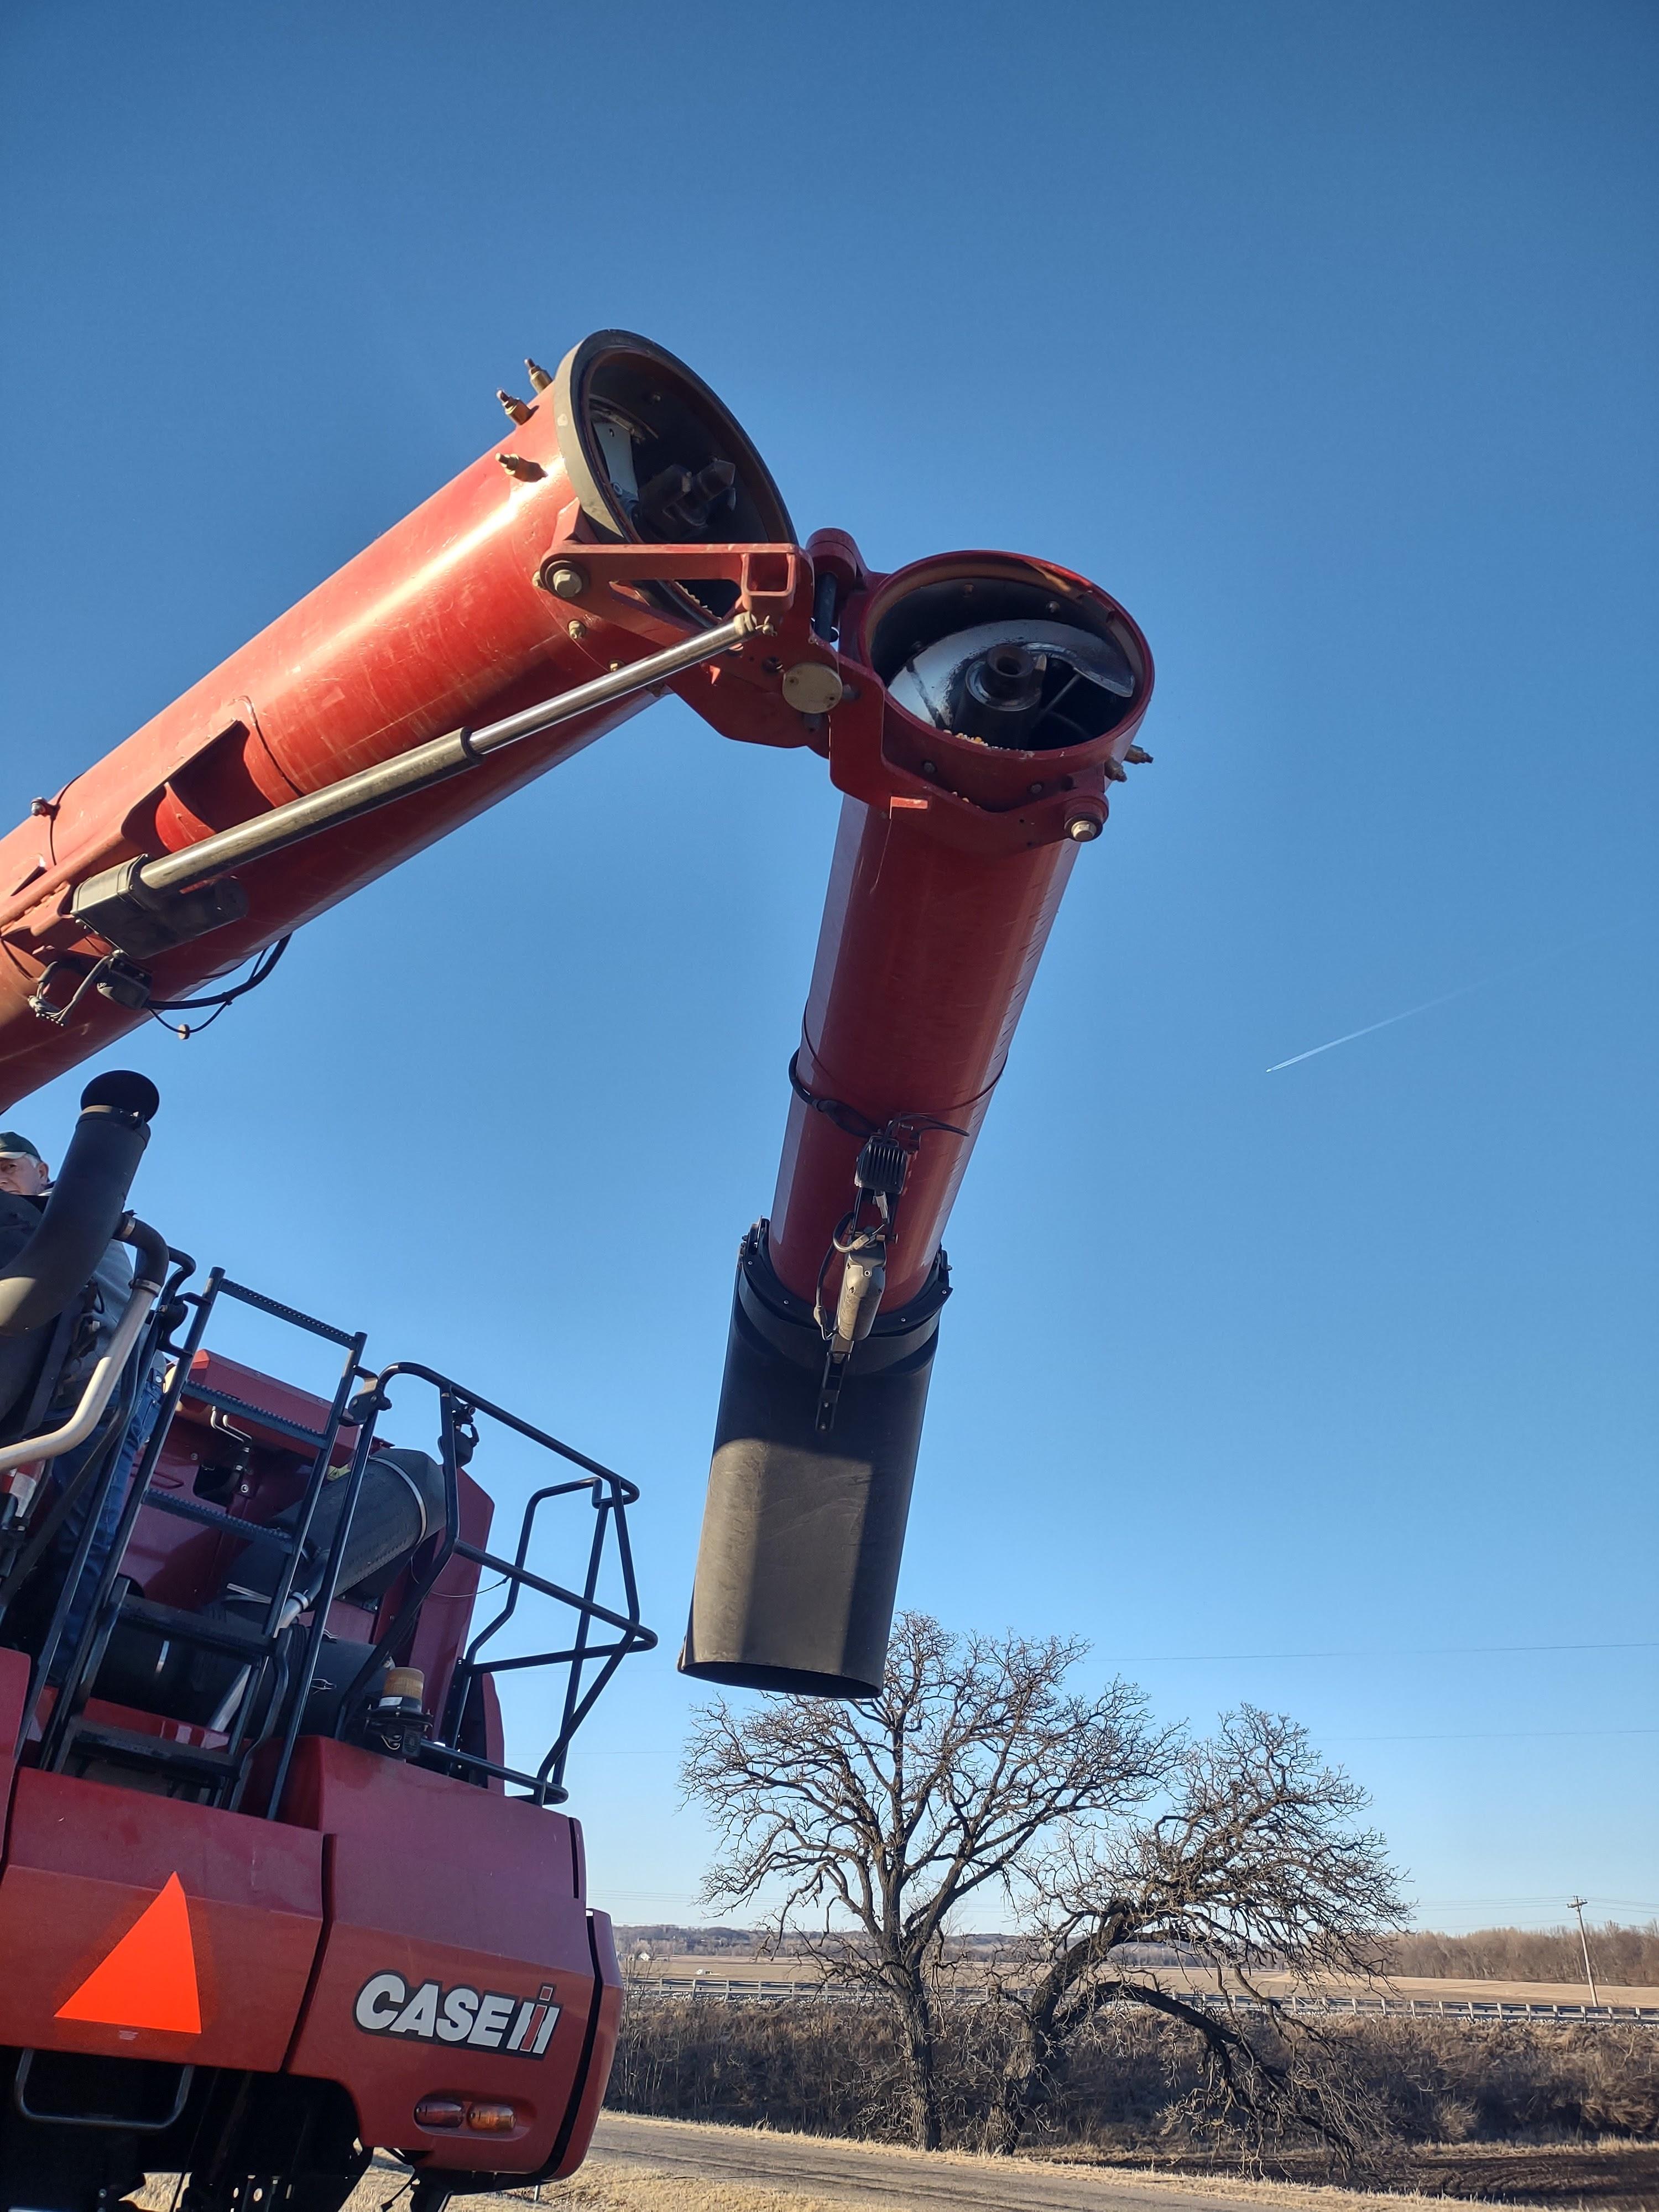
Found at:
[1013, 694]
[451, 619]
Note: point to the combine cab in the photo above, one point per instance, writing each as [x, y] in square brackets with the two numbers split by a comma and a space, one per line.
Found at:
[272, 1898]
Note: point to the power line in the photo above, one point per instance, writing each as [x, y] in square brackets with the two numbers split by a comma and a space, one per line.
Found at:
[1491, 1904]
[1489, 1735]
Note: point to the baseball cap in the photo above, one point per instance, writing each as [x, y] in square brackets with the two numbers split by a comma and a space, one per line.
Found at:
[14, 1146]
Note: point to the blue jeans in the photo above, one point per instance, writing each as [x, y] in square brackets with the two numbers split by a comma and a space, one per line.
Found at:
[141, 1421]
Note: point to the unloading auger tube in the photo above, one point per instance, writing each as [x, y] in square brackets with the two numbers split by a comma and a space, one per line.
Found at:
[625, 539]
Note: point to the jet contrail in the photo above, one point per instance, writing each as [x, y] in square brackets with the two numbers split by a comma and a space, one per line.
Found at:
[1446, 997]
[1370, 1028]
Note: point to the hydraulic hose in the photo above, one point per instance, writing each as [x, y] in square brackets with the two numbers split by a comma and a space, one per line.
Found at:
[88, 1203]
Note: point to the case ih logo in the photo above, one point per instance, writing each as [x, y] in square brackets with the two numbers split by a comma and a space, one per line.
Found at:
[483, 2018]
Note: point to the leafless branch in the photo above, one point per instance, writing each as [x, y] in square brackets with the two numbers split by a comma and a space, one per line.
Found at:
[865, 1825]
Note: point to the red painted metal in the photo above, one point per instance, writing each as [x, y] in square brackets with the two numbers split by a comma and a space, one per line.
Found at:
[948, 870]
[440, 623]
[432, 1880]
[944, 887]
[428, 1879]
[84, 1860]
[15, 1673]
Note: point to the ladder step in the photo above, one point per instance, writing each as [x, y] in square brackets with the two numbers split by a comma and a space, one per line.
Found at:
[258, 1415]
[135, 1749]
[290, 1313]
[188, 1509]
[241, 1640]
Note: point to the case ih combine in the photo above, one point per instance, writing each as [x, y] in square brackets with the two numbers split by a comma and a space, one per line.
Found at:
[274, 1895]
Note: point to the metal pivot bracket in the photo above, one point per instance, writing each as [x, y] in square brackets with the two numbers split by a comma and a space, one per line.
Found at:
[773, 582]
[862, 765]
[776, 689]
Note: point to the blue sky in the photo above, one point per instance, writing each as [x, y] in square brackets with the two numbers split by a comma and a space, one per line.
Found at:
[1322, 337]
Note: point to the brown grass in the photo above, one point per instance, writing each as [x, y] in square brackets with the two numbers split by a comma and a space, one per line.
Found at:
[1137, 2084]
[1601, 2178]
[595, 2189]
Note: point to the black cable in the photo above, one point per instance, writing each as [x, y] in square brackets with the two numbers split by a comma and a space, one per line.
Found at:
[859, 1125]
[264, 963]
[40, 1003]
[845, 1117]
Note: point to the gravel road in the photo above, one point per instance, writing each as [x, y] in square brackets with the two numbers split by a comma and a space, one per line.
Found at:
[865, 2173]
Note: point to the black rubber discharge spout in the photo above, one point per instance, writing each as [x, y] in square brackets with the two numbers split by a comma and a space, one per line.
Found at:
[803, 1529]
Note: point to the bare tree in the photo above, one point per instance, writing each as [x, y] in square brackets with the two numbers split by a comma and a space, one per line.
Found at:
[883, 1816]
[1254, 1864]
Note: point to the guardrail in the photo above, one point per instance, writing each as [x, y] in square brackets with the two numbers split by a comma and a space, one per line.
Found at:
[1489, 2012]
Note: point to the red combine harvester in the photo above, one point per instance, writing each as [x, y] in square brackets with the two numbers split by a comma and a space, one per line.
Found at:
[274, 1897]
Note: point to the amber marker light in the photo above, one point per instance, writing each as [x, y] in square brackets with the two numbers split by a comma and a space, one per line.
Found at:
[491, 2120]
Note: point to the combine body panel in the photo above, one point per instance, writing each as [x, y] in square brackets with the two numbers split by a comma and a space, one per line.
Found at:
[274, 1894]
[261, 1914]
[450, 1932]
[427, 1983]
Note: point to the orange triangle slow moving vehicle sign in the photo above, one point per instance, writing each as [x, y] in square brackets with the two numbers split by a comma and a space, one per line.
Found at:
[149, 1980]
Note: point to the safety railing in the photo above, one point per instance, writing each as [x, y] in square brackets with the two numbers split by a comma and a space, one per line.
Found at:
[1488, 2011]
[601, 1637]
[280, 1653]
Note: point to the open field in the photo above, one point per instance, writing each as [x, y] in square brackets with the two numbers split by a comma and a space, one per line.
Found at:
[1136, 2087]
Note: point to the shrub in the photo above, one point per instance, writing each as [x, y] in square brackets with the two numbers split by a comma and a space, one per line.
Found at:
[1137, 2082]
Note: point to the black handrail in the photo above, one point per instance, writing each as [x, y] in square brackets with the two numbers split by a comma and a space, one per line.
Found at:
[265, 1682]
[610, 1493]
[77, 1684]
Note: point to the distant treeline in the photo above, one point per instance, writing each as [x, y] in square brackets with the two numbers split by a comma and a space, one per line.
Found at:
[1138, 2083]
[1627, 1956]
[664, 1937]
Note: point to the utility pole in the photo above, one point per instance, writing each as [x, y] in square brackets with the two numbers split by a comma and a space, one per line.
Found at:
[1578, 1905]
